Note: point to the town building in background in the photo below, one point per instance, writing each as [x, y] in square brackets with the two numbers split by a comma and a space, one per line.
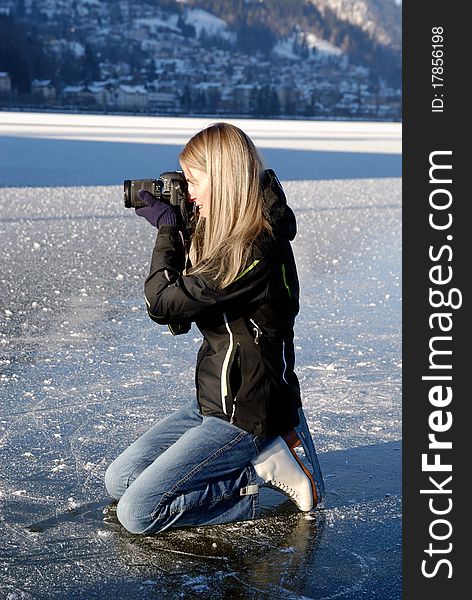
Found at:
[175, 58]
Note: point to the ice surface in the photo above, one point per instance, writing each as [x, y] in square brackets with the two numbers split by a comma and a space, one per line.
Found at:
[83, 371]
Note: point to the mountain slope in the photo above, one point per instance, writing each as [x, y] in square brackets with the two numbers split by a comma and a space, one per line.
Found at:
[381, 19]
[367, 31]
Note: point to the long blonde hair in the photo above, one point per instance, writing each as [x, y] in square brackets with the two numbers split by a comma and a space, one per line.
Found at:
[221, 243]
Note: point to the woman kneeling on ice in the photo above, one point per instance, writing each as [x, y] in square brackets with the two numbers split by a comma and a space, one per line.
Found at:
[204, 463]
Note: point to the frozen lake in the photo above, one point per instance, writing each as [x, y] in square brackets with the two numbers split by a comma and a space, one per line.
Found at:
[84, 371]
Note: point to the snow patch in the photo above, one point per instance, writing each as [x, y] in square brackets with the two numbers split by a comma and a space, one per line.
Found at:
[284, 49]
[321, 45]
[155, 23]
[211, 24]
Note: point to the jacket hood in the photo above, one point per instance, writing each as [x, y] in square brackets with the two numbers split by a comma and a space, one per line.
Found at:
[276, 209]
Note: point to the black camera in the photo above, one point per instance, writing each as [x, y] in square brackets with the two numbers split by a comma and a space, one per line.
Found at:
[170, 187]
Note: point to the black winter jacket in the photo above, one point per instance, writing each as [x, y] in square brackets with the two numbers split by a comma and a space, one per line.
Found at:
[245, 365]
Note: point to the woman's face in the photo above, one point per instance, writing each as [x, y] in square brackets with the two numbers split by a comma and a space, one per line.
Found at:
[198, 189]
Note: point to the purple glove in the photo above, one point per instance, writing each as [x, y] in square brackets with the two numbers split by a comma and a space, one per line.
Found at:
[156, 212]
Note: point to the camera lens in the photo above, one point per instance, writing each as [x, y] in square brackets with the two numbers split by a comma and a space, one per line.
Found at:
[127, 193]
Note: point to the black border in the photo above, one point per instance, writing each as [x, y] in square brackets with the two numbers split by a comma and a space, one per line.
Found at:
[424, 132]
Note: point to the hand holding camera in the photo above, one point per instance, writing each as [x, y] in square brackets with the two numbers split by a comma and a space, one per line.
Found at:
[162, 201]
[155, 211]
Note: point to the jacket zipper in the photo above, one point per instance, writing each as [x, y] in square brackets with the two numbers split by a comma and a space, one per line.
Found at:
[233, 411]
[285, 362]
[257, 331]
[224, 370]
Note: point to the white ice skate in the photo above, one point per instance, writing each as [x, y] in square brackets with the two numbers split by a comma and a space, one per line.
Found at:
[279, 466]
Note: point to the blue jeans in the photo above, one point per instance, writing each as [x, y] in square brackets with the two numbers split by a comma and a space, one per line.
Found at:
[186, 470]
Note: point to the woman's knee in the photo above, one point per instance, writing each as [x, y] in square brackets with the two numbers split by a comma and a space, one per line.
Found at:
[115, 480]
[123, 471]
[135, 513]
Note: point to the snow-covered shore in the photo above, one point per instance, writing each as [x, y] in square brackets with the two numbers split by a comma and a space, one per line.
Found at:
[104, 150]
